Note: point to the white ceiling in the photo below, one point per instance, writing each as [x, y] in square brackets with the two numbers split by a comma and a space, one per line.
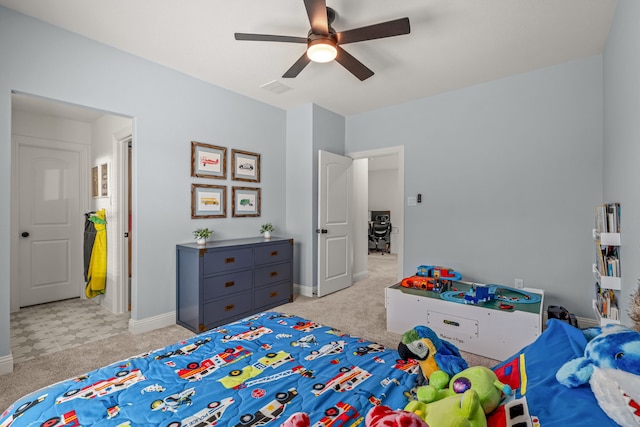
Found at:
[452, 44]
[47, 107]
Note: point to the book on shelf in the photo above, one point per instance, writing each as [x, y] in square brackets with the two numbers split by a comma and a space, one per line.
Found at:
[606, 303]
[612, 261]
[608, 218]
[600, 219]
[613, 210]
[613, 267]
[600, 265]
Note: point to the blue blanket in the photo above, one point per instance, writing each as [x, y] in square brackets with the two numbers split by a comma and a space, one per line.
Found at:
[532, 373]
[257, 371]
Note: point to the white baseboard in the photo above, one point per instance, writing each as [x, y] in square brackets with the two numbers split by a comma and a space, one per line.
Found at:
[305, 291]
[150, 323]
[6, 364]
[360, 276]
[587, 322]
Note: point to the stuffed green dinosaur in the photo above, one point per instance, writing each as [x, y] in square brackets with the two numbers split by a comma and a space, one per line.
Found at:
[478, 378]
[458, 410]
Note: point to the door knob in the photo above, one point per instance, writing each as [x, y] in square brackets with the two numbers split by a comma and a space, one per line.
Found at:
[25, 234]
[323, 231]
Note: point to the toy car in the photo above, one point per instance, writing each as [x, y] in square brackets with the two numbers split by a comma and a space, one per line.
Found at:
[270, 411]
[431, 278]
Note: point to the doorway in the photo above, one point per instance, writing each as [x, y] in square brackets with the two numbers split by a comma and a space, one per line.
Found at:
[96, 135]
[392, 159]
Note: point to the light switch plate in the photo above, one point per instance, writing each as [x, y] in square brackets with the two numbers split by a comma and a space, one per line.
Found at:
[411, 201]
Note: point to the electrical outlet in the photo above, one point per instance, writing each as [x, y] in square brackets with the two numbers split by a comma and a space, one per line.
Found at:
[519, 283]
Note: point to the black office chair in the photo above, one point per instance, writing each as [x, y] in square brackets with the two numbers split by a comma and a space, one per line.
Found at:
[380, 235]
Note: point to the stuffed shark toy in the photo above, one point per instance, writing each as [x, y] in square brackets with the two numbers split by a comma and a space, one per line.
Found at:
[611, 366]
[432, 354]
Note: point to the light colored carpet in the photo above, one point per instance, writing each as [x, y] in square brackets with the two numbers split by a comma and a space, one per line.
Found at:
[358, 310]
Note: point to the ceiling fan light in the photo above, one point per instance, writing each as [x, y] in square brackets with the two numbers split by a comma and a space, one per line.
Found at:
[322, 51]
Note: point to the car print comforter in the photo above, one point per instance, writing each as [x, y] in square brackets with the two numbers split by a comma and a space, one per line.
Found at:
[254, 372]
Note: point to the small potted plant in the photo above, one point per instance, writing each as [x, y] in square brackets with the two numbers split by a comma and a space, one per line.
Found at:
[201, 235]
[266, 230]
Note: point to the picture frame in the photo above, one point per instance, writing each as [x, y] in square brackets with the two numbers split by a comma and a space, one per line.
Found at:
[208, 201]
[208, 161]
[245, 166]
[246, 201]
[95, 182]
[104, 180]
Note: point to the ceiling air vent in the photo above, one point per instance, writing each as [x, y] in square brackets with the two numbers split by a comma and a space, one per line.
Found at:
[276, 87]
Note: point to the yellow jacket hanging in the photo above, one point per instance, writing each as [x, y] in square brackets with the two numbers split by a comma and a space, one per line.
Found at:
[97, 272]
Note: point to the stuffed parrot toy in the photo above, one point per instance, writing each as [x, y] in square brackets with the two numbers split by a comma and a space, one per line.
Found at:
[432, 354]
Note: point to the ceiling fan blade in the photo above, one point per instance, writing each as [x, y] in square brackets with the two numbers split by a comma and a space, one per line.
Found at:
[396, 27]
[354, 66]
[297, 67]
[317, 13]
[270, 38]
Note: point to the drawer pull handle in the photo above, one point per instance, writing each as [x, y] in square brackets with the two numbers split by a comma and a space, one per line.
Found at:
[229, 307]
[229, 284]
[273, 294]
[274, 253]
[229, 260]
[273, 274]
[451, 323]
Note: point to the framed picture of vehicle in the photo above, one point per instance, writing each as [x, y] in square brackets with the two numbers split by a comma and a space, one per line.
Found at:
[208, 201]
[208, 161]
[245, 166]
[246, 201]
[104, 180]
[95, 182]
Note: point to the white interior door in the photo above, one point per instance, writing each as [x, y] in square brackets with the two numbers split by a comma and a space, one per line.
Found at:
[335, 245]
[49, 222]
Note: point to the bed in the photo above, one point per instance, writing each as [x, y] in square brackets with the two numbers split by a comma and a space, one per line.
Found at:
[262, 369]
[253, 372]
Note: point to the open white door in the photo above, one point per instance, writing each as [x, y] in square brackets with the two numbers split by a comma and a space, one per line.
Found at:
[335, 245]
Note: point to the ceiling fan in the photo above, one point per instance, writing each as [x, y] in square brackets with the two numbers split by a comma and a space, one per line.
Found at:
[324, 43]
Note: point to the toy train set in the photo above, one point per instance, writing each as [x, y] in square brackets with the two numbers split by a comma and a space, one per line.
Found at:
[432, 278]
[440, 280]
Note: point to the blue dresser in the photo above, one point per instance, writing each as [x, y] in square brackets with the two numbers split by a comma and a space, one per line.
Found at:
[230, 279]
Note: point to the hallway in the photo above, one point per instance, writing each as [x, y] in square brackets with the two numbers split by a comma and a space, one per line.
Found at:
[52, 327]
[383, 265]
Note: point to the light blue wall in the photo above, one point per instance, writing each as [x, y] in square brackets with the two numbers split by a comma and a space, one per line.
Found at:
[509, 171]
[622, 138]
[328, 135]
[300, 223]
[309, 128]
[170, 110]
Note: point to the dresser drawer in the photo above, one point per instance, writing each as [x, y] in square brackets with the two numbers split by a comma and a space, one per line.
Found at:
[226, 284]
[217, 311]
[270, 274]
[217, 262]
[273, 253]
[272, 295]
